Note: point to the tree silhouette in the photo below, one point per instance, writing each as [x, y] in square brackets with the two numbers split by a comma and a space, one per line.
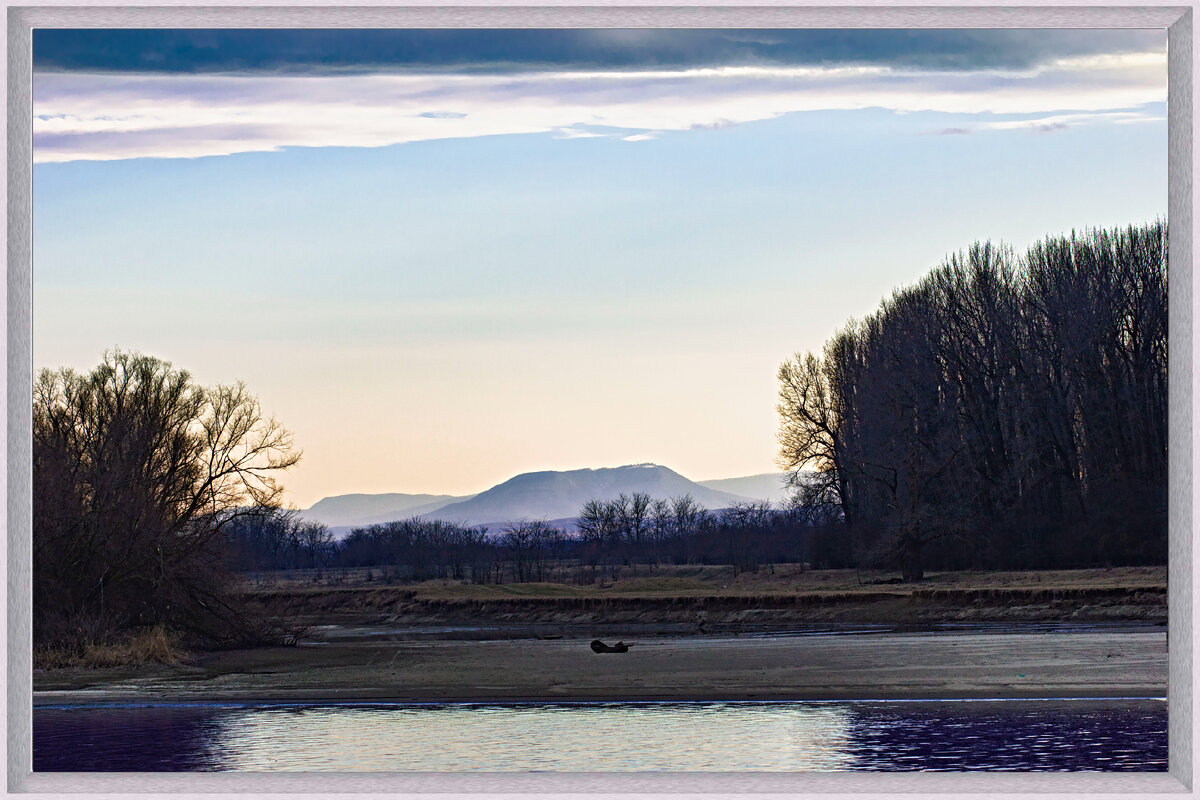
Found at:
[137, 470]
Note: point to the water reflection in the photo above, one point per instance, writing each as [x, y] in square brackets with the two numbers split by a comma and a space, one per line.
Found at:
[125, 739]
[612, 737]
[1011, 736]
[573, 738]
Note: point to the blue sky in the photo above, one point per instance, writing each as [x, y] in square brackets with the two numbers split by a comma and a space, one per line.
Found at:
[442, 260]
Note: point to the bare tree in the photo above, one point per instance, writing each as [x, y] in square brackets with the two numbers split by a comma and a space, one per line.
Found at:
[639, 517]
[660, 522]
[1001, 411]
[137, 470]
[818, 417]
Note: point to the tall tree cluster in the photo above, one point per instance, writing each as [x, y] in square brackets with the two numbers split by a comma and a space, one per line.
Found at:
[1004, 412]
[137, 472]
[614, 534]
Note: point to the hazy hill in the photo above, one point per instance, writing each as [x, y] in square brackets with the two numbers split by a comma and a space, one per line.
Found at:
[554, 495]
[549, 495]
[767, 486]
[367, 509]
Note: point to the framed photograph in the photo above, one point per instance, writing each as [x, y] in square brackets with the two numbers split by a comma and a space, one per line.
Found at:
[573, 399]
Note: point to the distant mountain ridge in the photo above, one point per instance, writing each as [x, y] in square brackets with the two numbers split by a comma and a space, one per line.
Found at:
[767, 486]
[548, 494]
[368, 509]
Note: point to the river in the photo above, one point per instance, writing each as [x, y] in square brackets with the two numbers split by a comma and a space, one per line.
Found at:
[1022, 735]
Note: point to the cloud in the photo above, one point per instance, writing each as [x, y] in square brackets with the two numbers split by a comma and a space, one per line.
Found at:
[577, 133]
[315, 51]
[1061, 122]
[117, 116]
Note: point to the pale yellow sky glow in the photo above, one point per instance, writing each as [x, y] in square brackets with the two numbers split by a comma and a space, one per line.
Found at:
[458, 417]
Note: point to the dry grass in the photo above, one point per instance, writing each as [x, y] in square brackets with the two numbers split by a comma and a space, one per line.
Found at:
[787, 580]
[631, 587]
[148, 646]
[717, 581]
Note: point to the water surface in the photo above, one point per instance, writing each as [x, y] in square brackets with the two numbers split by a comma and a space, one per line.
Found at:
[1019, 735]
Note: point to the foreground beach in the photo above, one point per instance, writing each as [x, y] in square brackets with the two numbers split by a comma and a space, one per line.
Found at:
[1112, 661]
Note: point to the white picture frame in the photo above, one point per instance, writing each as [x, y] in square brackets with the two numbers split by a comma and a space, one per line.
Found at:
[1177, 20]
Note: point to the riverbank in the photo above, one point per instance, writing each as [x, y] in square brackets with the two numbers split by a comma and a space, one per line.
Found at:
[1124, 661]
[697, 633]
[712, 598]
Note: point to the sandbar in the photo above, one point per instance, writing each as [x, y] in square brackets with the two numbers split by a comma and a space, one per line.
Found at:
[1121, 662]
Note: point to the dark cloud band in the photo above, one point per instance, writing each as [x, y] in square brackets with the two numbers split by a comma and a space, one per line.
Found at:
[363, 51]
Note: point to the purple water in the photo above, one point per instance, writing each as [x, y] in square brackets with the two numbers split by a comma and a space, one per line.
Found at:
[1045, 735]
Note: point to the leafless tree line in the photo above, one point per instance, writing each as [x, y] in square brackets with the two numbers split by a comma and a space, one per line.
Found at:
[615, 537]
[277, 539]
[639, 529]
[417, 549]
[1003, 412]
[407, 550]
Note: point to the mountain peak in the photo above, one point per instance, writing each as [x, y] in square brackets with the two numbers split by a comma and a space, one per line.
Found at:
[547, 494]
[560, 495]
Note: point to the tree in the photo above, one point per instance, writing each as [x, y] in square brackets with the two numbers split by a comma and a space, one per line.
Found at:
[660, 522]
[813, 502]
[315, 540]
[136, 472]
[818, 417]
[639, 510]
[913, 434]
[622, 514]
[530, 546]
[594, 521]
[743, 523]
[519, 542]
[687, 519]
[1001, 412]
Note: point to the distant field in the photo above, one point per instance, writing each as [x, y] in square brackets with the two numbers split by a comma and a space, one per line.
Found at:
[712, 581]
[681, 595]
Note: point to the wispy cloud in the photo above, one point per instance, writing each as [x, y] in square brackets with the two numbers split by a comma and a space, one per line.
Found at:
[118, 116]
[577, 133]
[1058, 122]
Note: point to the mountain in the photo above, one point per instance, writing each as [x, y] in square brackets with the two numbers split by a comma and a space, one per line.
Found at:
[548, 495]
[555, 495]
[366, 509]
[767, 486]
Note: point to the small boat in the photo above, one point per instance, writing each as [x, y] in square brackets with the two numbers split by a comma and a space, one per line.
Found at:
[600, 647]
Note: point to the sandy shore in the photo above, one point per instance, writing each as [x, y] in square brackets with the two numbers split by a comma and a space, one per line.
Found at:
[1106, 663]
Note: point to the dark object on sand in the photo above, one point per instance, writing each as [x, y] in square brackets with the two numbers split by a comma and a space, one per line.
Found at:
[600, 647]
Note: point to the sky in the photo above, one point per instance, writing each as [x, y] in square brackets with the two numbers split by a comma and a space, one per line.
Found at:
[442, 258]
